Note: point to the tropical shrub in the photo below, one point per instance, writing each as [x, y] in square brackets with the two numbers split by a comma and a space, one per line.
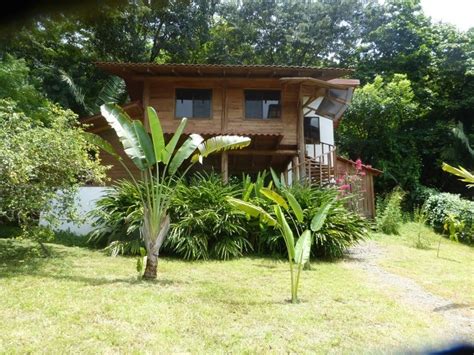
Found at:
[440, 207]
[159, 163]
[389, 218]
[299, 252]
[342, 228]
[205, 226]
[117, 217]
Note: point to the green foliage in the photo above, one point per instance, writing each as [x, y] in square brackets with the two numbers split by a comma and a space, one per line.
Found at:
[420, 218]
[117, 218]
[440, 207]
[341, 228]
[362, 130]
[388, 39]
[159, 164]
[42, 151]
[205, 224]
[465, 176]
[299, 252]
[389, 216]
[17, 85]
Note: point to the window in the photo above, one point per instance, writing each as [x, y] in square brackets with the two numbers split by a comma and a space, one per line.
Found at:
[193, 103]
[263, 104]
[311, 129]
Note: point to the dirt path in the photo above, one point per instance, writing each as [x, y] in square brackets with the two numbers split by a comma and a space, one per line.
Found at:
[365, 257]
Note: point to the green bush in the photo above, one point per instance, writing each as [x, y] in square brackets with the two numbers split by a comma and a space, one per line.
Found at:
[205, 226]
[439, 207]
[342, 228]
[389, 217]
[117, 218]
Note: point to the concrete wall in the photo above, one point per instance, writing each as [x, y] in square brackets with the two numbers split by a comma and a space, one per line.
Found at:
[85, 202]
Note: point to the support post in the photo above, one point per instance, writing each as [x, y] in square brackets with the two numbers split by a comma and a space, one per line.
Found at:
[300, 135]
[225, 166]
[146, 102]
[295, 169]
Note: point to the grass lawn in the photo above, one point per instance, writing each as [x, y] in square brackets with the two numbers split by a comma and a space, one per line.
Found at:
[83, 301]
[451, 275]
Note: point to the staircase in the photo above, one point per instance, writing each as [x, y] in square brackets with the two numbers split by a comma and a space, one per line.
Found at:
[321, 169]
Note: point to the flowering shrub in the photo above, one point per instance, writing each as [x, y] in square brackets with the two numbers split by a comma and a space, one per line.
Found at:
[350, 186]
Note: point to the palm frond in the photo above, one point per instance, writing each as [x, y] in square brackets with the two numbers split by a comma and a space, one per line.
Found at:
[119, 120]
[220, 144]
[465, 175]
[112, 92]
[75, 90]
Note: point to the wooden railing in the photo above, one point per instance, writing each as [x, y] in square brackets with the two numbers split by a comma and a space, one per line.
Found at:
[319, 170]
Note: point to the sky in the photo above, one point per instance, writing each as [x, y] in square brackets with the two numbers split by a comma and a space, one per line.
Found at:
[457, 12]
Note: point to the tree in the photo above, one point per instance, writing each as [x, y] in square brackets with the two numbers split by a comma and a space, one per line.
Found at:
[43, 154]
[159, 165]
[384, 112]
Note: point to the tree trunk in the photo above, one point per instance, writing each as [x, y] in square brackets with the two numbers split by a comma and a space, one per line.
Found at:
[151, 267]
[153, 250]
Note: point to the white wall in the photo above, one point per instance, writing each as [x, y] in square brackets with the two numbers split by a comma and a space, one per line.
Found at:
[85, 202]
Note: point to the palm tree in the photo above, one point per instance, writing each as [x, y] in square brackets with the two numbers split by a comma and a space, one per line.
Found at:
[158, 163]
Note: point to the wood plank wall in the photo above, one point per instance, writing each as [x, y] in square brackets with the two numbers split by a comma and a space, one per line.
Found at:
[117, 172]
[230, 93]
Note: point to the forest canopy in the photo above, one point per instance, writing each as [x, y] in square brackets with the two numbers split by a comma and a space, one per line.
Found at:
[417, 76]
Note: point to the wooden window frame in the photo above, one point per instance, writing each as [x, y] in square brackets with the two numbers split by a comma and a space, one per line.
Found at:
[211, 111]
[262, 119]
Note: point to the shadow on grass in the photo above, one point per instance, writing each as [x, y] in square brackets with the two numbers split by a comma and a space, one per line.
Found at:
[100, 281]
[451, 306]
[26, 257]
[449, 259]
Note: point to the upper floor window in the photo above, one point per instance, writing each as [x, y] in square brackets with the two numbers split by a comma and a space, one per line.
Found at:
[193, 103]
[263, 104]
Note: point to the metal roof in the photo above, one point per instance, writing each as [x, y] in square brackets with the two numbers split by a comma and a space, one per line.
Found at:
[126, 70]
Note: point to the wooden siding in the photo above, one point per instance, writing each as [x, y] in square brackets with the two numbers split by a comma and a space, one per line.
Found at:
[228, 106]
[117, 171]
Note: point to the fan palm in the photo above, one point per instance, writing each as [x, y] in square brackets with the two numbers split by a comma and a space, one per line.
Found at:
[159, 164]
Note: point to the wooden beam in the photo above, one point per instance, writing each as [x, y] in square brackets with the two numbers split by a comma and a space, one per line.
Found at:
[224, 120]
[294, 168]
[300, 135]
[146, 102]
[225, 166]
[263, 152]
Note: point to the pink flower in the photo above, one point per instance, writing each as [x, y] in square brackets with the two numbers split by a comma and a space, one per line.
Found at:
[358, 164]
[344, 187]
[339, 181]
[362, 173]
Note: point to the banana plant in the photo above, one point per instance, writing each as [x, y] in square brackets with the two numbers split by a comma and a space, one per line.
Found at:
[299, 252]
[159, 162]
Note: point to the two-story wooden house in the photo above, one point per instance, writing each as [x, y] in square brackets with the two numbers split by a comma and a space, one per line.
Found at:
[290, 112]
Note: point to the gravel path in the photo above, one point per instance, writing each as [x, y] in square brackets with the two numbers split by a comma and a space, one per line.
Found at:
[459, 318]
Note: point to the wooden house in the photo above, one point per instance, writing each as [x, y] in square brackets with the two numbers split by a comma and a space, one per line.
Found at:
[290, 113]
